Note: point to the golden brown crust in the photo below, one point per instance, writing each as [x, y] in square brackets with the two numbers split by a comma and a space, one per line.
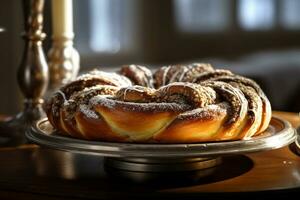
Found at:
[191, 103]
[96, 129]
[197, 126]
[59, 101]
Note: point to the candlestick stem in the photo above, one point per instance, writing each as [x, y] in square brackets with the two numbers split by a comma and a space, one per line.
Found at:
[63, 62]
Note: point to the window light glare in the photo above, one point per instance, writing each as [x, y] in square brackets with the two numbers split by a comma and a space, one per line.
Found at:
[256, 14]
[104, 31]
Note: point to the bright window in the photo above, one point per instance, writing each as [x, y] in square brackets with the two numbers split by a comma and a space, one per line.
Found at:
[290, 14]
[256, 14]
[202, 15]
[105, 26]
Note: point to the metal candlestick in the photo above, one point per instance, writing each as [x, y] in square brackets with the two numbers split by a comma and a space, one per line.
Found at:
[63, 58]
[32, 76]
[63, 61]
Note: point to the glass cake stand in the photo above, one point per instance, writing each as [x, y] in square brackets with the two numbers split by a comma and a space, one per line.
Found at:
[139, 161]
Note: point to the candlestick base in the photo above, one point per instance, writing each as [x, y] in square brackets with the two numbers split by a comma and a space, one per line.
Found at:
[12, 131]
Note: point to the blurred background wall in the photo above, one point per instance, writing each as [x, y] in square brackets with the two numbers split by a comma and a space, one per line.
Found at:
[256, 38]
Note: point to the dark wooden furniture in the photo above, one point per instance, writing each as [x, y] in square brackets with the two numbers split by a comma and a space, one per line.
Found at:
[32, 172]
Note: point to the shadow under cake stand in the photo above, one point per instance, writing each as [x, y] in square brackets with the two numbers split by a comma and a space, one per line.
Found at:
[140, 162]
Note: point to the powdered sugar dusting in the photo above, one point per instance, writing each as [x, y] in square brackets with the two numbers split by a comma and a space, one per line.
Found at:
[116, 79]
[104, 101]
[209, 112]
[86, 110]
[138, 107]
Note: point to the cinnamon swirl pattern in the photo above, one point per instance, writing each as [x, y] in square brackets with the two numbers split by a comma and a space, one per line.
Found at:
[176, 104]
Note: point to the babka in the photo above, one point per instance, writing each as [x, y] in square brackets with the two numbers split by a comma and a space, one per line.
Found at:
[175, 104]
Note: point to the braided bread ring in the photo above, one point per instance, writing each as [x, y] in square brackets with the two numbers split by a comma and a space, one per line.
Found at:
[191, 103]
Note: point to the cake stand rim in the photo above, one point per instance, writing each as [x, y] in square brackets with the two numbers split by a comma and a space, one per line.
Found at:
[277, 139]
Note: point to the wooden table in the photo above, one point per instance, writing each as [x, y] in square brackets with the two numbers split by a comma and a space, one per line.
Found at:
[32, 172]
